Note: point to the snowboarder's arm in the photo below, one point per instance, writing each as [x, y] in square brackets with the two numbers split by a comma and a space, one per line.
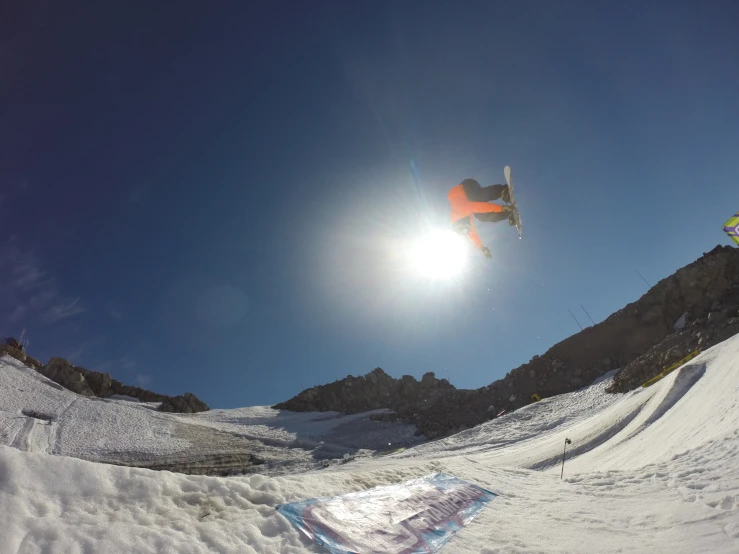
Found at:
[474, 237]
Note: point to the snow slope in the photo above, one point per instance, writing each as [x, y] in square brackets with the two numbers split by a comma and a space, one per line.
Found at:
[119, 430]
[80, 426]
[653, 470]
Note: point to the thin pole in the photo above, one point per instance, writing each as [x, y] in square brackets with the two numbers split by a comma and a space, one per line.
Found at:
[573, 317]
[587, 314]
[642, 276]
[564, 452]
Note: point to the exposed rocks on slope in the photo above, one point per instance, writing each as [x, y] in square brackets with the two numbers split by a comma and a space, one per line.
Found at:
[706, 290]
[14, 352]
[406, 396]
[368, 392]
[62, 372]
[187, 404]
[700, 334]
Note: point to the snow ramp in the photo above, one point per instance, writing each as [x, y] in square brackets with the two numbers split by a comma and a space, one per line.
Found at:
[691, 407]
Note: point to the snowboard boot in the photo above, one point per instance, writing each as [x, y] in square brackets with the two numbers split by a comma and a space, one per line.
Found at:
[512, 218]
[505, 195]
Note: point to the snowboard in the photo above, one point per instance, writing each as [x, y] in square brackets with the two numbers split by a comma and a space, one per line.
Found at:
[516, 213]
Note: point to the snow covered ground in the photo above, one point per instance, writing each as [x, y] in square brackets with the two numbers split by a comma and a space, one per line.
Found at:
[119, 430]
[653, 470]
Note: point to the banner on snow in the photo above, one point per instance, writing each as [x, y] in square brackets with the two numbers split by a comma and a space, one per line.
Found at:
[416, 517]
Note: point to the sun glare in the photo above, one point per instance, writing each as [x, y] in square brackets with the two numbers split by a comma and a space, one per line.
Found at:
[439, 254]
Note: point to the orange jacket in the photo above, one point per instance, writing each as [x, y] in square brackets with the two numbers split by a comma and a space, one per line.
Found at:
[464, 208]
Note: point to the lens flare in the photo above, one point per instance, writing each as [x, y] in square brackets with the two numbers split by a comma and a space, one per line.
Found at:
[439, 254]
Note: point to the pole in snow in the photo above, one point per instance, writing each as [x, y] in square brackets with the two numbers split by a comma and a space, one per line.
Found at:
[567, 441]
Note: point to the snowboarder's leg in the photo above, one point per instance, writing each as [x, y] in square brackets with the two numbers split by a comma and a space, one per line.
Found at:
[493, 217]
[477, 193]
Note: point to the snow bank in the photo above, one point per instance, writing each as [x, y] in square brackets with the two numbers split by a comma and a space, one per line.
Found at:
[65, 505]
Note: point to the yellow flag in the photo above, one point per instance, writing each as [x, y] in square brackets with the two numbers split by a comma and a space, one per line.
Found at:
[731, 227]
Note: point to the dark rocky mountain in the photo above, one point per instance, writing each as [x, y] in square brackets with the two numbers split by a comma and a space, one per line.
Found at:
[641, 339]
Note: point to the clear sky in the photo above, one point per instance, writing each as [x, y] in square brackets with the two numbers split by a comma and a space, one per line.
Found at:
[215, 197]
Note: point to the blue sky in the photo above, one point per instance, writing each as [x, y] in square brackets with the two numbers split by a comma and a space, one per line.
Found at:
[214, 199]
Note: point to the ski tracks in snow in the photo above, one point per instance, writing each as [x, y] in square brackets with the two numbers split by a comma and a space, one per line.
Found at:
[39, 435]
[35, 436]
[22, 439]
[55, 438]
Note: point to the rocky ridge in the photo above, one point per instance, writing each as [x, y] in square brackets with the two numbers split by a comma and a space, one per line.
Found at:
[641, 339]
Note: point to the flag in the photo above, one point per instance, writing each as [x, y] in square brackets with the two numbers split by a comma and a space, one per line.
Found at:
[731, 227]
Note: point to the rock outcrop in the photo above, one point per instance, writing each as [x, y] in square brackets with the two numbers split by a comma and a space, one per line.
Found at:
[14, 352]
[186, 404]
[65, 374]
[369, 392]
[406, 396]
[640, 338]
[700, 334]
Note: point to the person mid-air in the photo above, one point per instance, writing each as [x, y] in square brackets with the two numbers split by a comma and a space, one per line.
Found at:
[469, 199]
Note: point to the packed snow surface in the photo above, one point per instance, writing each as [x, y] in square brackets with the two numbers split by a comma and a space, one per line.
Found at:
[653, 470]
[37, 415]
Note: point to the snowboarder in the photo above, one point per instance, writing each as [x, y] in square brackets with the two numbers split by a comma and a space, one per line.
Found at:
[469, 199]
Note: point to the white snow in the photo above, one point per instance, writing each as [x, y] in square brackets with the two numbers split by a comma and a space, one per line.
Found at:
[80, 426]
[653, 470]
[118, 429]
[285, 428]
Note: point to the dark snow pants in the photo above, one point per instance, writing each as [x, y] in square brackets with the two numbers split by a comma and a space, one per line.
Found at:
[477, 193]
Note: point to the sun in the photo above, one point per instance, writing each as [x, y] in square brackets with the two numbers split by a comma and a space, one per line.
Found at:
[439, 254]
